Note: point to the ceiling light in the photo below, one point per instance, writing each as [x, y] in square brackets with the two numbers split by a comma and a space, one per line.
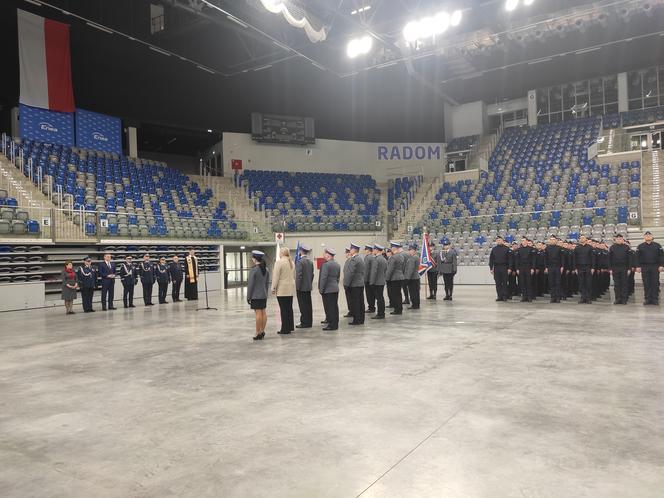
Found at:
[359, 46]
[99, 27]
[410, 31]
[455, 19]
[209, 131]
[441, 22]
[510, 5]
[428, 27]
[528, 2]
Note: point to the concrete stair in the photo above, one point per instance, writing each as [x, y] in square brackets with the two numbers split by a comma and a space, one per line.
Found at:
[422, 201]
[20, 187]
[652, 189]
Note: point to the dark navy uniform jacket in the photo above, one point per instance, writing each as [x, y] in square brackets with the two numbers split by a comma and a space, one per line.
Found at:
[146, 270]
[87, 277]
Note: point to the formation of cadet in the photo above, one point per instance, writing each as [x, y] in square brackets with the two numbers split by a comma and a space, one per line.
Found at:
[162, 273]
[564, 268]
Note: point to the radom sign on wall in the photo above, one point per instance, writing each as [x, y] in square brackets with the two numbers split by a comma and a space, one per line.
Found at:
[410, 152]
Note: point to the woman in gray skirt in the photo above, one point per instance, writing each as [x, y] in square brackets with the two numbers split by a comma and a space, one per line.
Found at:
[69, 286]
[257, 289]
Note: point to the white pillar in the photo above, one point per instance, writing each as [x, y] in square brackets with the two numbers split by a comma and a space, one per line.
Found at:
[532, 107]
[623, 104]
[132, 142]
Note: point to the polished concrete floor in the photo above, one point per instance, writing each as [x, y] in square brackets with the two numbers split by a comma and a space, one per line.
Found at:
[464, 399]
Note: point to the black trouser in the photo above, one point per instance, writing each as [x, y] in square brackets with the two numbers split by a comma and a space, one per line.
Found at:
[512, 285]
[128, 294]
[86, 298]
[147, 292]
[555, 283]
[404, 288]
[107, 290]
[500, 277]
[371, 299]
[650, 276]
[448, 279]
[175, 290]
[357, 304]
[377, 291]
[526, 283]
[306, 312]
[432, 279]
[585, 283]
[394, 294]
[286, 312]
[331, 307]
[620, 284]
[163, 290]
[414, 291]
[347, 293]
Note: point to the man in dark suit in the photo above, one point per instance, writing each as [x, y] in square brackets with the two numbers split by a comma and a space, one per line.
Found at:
[175, 271]
[304, 277]
[129, 280]
[328, 286]
[87, 278]
[107, 275]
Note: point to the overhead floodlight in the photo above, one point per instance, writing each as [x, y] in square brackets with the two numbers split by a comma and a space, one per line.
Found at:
[528, 2]
[510, 5]
[410, 32]
[441, 22]
[359, 46]
[455, 19]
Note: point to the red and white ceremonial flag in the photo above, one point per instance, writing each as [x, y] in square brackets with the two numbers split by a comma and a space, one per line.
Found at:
[45, 63]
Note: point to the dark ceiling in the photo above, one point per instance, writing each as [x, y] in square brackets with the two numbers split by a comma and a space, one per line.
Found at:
[261, 63]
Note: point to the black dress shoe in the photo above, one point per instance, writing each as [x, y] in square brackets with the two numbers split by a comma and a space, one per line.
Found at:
[370, 311]
[303, 326]
[283, 333]
[413, 307]
[324, 322]
[406, 302]
[395, 313]
[103, 309]
[378, 317]
[92, 311]
[329, 328]
[113, 308]
[348, 315]
[356, 323]
[132, 306]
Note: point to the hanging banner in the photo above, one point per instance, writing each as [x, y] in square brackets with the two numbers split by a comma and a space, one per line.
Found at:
[46, 126]
[98, 131]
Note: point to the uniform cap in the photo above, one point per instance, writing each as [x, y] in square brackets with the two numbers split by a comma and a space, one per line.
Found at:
[347, 249]
[87, 258]
[648, 233]
[305, 248]
[368, 247]
[258, 254]
[378, 247]
[394, 243]
[331, 252]
[353, 245]
[499, 237]
[618, 236]
[413, 246]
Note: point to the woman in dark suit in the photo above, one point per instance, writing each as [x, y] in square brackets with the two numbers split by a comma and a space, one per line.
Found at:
[257, 289]
[69, 286]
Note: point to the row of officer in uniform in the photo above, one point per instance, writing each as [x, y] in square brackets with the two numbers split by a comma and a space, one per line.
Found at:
[146, 271]
[568, 265]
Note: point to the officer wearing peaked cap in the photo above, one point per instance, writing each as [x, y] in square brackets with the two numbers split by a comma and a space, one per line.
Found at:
[328, 286]
[620, 266]
[346, 281]
[432, 274]
[87, 278]
[377, 281]
[412, 276]
[500, 264]
[304, 277]
[356, 269]
[394, 276]
[368, 264]
[650, 260]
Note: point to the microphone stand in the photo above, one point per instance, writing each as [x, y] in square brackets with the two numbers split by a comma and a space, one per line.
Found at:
[207, 302]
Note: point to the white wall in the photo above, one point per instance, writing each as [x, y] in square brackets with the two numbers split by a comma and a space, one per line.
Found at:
[464, 120]
[507, 106]
[380, 160]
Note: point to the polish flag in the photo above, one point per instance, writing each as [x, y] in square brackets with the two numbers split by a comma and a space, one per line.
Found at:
[45, 63]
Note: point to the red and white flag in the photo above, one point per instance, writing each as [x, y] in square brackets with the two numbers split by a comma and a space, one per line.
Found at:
[45, 63]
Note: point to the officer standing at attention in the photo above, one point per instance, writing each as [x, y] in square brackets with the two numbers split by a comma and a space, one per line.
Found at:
[377, 281]
[650, 260]
[368, 290]
[500, 264]
[146, 271]
[163, 277]
[620, 268]
[432, 274]
[175, 272]
[356, 274]
[107, 274]
[346, 283]
[394, 277]
[388, 255]
[525, 268]
[553, 267]
[87, 278]
[412, 276]
[584, 267]
[328, 286]
[304, 277]
[129, 280]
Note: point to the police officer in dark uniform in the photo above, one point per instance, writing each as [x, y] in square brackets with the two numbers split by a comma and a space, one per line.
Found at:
[512, 281]
[525, 267]
[432, 274]
[87, 279]
[129, 280]
[377, 281]
[146, 271]
[175, 272]
[620, 262]
[630, 277]
[500, 263]
[540, 284]
[369, 259]
[553, 268]
[584, 264]
[650, 260]
[163, 278]
[355, 274]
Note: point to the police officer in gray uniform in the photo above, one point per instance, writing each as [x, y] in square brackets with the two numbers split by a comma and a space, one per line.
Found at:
[394, 277]
[377, 281]
[304, 277]
[356, 275]
[346, 283]
[412, 276]
[368, 264]
[328, 286]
